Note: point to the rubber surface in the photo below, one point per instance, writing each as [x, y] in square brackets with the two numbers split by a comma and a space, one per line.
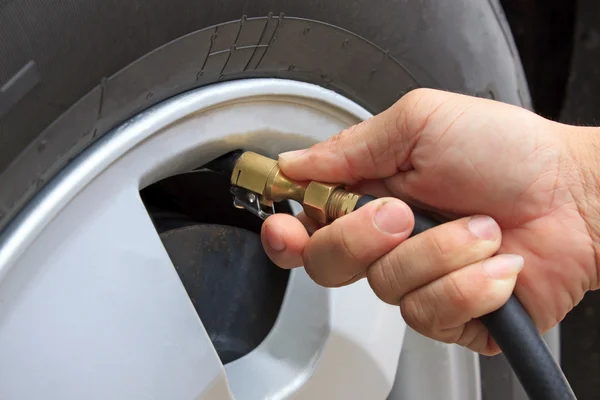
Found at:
[239, 300]
[100, 62]
[530, 357]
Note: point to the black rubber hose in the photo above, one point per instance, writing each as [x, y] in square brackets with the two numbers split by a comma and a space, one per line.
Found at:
[527, 352]
[518, 338]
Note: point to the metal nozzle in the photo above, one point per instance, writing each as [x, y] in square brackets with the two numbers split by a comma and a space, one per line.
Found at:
[261, 175]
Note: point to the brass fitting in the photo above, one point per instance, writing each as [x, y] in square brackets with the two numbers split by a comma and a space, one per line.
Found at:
[316, 199]
[322, 202]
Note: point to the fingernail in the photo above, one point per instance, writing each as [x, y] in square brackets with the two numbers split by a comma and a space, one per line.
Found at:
[274, 240]
[289, 155]
[391, 218]
[503, 266]
[484, 227]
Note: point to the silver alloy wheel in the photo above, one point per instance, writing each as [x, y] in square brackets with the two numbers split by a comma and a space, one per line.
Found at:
[91, 306]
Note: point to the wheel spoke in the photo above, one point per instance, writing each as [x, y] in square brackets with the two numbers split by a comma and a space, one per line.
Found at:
[98, 309]
[434, 370]
[327, 343]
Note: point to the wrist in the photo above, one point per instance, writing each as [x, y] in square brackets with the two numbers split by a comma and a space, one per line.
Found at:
[583, 174]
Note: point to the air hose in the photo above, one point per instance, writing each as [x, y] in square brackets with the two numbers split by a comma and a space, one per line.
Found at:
[257, 182]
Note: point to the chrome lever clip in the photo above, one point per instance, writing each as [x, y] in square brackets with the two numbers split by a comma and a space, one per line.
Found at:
[250, 201]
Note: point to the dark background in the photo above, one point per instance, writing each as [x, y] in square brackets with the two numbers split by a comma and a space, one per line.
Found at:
[559, 45]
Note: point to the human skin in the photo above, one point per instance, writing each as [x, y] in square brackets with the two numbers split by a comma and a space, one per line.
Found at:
[520, 192]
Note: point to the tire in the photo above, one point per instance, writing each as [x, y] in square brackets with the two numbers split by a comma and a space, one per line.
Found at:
[73, 70]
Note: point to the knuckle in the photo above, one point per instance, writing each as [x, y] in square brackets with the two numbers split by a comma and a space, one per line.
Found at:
[349, 149]
[398, 270]
[341, 246]
[406, 114]
[490, 347]
[381, 283]
[309, 264]
[344, 134]
[342, 243]
[467, 335]
[331, 258]
[415, 96]
[313, 267]
[417, 312]
[418, 108]
[375, 276]
[412, 105]
[392, 278]
[339, 141]
[452, 245]
[342, 144]
[450, 336]
[313, 273]
[456, 294]
[441, 245]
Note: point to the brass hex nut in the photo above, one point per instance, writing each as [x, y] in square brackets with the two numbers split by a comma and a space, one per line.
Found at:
[316, 197]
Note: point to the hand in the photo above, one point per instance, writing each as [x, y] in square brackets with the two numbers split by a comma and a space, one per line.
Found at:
[509, 179]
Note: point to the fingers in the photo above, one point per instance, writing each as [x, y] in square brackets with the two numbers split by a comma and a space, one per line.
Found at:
[284, 238]
[445, 277]
[444, 308]
[340, 253]
[433, 254]
[310, 224]
[379, 146]
[442, 279]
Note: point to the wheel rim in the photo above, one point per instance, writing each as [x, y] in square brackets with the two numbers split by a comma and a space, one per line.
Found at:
[76, 318]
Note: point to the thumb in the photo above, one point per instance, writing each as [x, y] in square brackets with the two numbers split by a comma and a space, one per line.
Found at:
[376, 148]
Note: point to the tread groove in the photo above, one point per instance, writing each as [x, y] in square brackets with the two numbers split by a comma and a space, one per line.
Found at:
[213, 38]
[270, 41]
[259, 40]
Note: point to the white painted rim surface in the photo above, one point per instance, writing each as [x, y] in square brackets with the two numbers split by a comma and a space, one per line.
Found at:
[91, 306]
